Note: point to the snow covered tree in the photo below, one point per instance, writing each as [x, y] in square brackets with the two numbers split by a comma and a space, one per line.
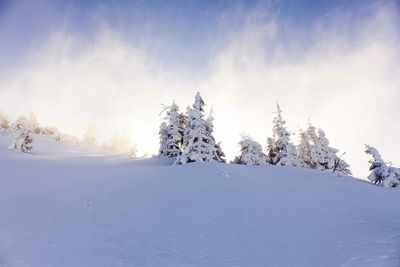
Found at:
[4, 121]
[327, 156]
[121, 143]
[210, 129]
[198, 142]
[90, 137]
[314, 147]
[314, 152]
[51, 131]
[171, 132]
[280, 150]
[22, 132]
[305, 151]
[250, 153]
[34, 123]
[163, 133]
[271, 150]
[381, 173]
[4, 124]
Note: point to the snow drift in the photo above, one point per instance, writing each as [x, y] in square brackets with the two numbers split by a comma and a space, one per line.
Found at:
[72, 205]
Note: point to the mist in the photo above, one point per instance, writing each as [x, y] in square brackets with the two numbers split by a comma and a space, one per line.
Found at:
[341, 73]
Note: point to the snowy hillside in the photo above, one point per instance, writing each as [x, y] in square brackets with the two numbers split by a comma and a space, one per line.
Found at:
[72, 205]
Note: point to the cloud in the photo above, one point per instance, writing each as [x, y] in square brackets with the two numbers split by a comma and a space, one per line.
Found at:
[344, 79]
[342, 73]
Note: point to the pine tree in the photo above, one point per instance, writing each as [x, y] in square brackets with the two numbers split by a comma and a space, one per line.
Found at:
[121, 143]
[280, 149]
[272, 150]
[4, 124]
[250, 153]
[381, 173]
[22, 132]
[314, 147]
[51, 131]
[171, 133]
[163, 133]
[304, 150]
[327, 156]
[90, 137]
[34, 123]
[210, 129]
[314, 152]
[4, 121]
[198, 141]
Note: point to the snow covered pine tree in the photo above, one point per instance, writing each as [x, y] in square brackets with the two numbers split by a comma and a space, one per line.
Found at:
[381, 173]
[328, 158]
[210, 128]
[163, 133]
[22, 131]
[32, 120]
[4, 124]
[314, 152]
[304, 151]
[171, 132]
[198, 141]
[121, 143]
[280, 150]
[90, 137]
[251, 153]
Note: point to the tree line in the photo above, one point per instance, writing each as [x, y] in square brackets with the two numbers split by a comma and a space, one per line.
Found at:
[188, 137]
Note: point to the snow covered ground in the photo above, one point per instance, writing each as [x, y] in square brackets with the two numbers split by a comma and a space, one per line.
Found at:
[72, 205]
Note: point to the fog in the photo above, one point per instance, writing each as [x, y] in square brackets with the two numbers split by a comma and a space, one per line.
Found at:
[342, 73]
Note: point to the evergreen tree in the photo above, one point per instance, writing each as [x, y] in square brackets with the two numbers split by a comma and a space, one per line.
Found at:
[51, 131]
[381, 173]
[4, 121]
[314, 147]
[314, 152]
[34, 123]
[198, 141]
[22, 132]
[250, 153]
[327, 156]
[121, 143]
[90, 137]
[210, 129]
[271, 150]
[280, 149]
[304, 150]
[171, 133]
[163, 133]
[4, 124]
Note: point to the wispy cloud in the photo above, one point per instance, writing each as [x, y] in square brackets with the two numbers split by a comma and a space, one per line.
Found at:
[342, 73]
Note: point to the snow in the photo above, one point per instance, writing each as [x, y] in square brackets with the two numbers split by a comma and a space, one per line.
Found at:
[73, 205]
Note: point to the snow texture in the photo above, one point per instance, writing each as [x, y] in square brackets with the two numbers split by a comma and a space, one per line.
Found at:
[69, 204]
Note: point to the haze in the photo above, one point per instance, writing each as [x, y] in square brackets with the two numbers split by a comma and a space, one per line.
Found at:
[111, 66]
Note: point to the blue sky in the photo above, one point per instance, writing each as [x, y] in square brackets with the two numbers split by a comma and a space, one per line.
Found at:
[190, 29]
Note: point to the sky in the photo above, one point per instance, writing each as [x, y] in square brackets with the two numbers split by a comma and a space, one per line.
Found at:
[111, 65]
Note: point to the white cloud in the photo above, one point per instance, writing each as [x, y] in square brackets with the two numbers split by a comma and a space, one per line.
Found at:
[344, 78]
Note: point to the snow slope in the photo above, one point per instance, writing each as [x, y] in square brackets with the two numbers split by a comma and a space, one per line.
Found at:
[72, 205]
